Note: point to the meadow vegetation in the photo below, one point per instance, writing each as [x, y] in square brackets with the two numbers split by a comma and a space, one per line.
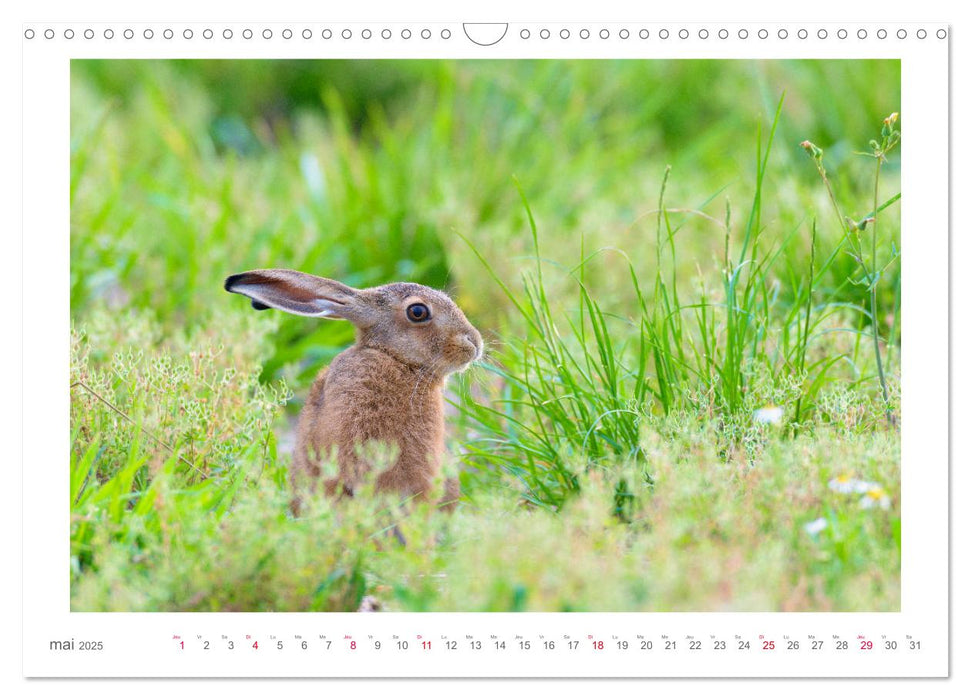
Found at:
[687, 275]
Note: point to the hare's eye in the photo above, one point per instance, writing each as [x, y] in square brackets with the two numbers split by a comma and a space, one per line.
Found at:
[418, 313]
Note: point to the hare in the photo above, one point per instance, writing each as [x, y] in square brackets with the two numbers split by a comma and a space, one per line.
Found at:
[387, 388]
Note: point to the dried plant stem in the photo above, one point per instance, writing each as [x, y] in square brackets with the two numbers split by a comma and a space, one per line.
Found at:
[131, 420]
[890, 137]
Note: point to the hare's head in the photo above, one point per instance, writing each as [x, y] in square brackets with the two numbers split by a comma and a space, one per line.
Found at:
[417, 325]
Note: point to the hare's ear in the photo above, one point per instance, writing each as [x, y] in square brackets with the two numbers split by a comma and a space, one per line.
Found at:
[296, 293]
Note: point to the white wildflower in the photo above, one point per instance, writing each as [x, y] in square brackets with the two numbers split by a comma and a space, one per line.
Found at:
[848, 484]
[769, 414]
[816, 526]
[875, 498]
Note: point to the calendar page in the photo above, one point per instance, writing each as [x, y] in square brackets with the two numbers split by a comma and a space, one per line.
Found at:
[444, 349]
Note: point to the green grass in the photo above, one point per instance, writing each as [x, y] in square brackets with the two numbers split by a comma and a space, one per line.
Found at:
[692, 339]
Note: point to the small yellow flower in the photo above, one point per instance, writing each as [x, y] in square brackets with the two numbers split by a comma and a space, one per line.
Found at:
[875, 497]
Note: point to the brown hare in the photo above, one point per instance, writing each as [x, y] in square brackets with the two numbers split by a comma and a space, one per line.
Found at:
[387, 388]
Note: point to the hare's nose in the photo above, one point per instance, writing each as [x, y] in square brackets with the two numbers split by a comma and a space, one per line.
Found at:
[476, 339]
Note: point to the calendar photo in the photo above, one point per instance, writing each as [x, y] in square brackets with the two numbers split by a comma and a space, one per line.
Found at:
[510, 335]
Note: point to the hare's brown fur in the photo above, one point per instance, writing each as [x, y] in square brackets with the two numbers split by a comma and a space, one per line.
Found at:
[351, 404]
[387, 389]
